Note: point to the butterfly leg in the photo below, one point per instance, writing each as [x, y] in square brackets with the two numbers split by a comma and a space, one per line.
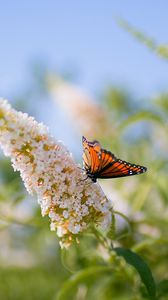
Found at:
[80, 168]
[83, 180]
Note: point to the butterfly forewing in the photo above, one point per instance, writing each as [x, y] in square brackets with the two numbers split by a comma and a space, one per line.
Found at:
[107, 158]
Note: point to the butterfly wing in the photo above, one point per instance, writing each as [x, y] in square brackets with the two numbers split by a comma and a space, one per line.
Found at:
[91, 155]
[100, 163]
[112, 167]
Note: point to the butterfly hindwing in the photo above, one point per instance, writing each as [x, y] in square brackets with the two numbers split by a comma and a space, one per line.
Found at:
[120, 168]
[100, 163]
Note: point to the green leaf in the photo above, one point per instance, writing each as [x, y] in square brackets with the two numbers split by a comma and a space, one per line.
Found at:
[79, 277]
[141, 267]
[159, 49]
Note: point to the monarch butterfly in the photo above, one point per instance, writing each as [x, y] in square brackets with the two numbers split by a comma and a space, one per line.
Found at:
[100, 163]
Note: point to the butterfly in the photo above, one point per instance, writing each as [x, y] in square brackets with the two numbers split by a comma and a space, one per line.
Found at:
[100, 163]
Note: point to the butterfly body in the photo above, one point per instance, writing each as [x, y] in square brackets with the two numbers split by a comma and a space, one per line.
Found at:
[100, 163]
[91, 176]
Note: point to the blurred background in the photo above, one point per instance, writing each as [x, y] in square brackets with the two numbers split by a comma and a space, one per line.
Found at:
[97, 69]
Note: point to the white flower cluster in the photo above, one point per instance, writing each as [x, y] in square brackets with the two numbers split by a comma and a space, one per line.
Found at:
[49, 171]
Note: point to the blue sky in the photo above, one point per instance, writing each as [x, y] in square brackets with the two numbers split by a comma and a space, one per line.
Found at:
[83, 36]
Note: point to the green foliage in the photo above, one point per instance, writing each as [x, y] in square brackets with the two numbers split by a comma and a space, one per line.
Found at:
[162, 289]
[81, 277]
[31, 283]
[142, 268]
[160, 50]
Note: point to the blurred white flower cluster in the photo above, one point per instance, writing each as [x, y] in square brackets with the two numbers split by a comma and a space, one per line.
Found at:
[88, 117]
[49, 171]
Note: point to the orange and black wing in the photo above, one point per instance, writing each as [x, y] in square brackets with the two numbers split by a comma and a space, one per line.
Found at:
[100, 163]
[91, 156]
[112, 167]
